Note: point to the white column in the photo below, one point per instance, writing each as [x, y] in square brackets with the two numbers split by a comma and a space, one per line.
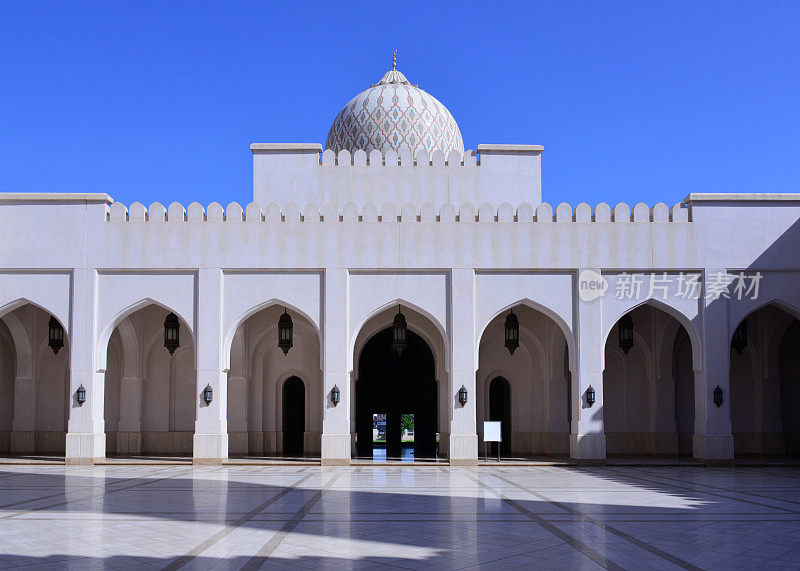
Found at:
[211, 423]
[713, 440]
[86, 439]
[587, 441]
[336, 438]
[463, 433]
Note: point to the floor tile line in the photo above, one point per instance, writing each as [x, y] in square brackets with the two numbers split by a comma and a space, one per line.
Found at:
[687, 487]
[149, 480]
[561, 534]
[230, 528]
[605, 527]
[256, 561]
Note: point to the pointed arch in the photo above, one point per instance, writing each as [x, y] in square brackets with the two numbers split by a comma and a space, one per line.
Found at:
[63, 320]
[244, 316]
[527, 302]
[368, 328]
[105, 333]
[778, 303]
[683, 319]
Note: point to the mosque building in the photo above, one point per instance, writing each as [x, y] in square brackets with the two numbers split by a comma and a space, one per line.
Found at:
[393, 273]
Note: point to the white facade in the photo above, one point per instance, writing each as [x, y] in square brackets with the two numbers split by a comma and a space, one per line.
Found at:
[340, 241]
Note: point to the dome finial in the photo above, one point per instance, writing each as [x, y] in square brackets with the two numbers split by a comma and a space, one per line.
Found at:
[394, 60]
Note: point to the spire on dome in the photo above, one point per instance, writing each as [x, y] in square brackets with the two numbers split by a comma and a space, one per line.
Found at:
[393, 76]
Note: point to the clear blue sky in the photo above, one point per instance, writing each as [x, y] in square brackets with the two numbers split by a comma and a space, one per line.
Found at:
[632, 100]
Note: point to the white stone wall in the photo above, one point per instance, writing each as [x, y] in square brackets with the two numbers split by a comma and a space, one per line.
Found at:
[342, 263]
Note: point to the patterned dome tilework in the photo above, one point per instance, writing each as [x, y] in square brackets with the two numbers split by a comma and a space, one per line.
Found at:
[394, 115]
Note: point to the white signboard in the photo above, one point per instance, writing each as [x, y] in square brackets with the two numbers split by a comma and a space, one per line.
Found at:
[491, 431]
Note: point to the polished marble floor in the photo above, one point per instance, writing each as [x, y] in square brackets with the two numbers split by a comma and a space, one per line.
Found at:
[399, 517]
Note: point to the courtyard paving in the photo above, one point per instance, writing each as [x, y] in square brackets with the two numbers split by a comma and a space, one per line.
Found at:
[399, 517]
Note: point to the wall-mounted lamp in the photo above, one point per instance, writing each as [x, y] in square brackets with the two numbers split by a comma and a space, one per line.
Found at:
[718, 396]
[336, 395]
[80, 395]
[462, 395]
[590, 396]
[208, 394]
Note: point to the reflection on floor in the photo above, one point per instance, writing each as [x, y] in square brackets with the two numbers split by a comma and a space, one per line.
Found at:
[656, 517]
[406, 454]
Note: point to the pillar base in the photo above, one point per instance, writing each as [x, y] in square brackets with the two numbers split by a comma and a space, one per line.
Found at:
[210, 449]
[463, 449]
[85, 447]
[713, 448]
[335, 450]
[587, 447]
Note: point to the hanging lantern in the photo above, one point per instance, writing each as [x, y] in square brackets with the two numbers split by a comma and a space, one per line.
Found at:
[626, 333]
[590, 396]
[739, 341]
[512, 332]
[55, 336]
[462, 395]
[718, 396]
[336, 395]
[80, 395]
[285, 327]
[399, 329]
[172, 333]
[208, 394]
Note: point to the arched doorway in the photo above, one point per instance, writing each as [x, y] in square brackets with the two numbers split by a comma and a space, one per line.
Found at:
[262, 377]
[150, 391]
[533, 393]
[294, 416]
[764, 385]
[389, 388]
[34, 383]
[500, 410]
[648, 385]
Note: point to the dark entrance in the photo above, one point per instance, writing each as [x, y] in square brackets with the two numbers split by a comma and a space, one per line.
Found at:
[500, 409]
[294, 416]
[396, 385]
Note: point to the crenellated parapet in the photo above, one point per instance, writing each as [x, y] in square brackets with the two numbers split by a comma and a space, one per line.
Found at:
[305, 173]
[422, 158]
[408, 212]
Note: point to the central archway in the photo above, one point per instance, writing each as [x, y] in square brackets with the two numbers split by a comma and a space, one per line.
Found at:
[396, 386]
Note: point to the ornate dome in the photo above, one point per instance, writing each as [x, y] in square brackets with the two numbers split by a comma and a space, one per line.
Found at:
[394, 115]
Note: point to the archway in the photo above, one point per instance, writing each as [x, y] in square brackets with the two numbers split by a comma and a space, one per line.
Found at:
[396, 386]
[537, 384]
[34, 383]
[648, 385]
[150, 391]
[294, 416]
[500, 410]
[259, 376]
[764, 385]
